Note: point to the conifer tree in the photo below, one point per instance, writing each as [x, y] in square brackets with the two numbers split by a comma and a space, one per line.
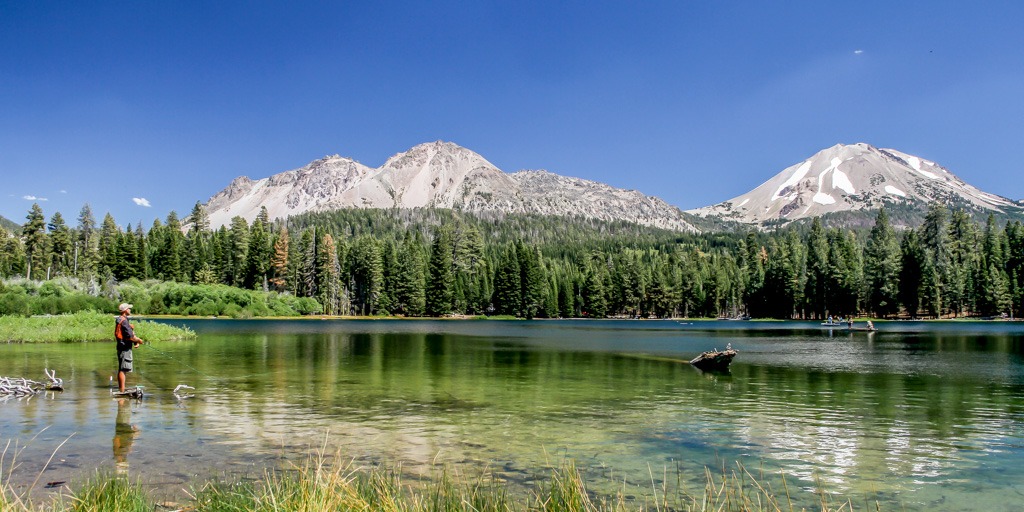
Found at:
[816, 284]
[367, 275]
[61, 250]
[33, 233]
[86, 257]
[306, 269]
[108, 244]
[882, 267]
[934, 239]
[532, 281]
[142, 266]
[507, 298]
[410, 283]
[279, 262]
[328, 275]
[12, 254]
[239, 248]
[441, 273]
[258, 255]
[911, 273]
[595, 301]
[199, 220]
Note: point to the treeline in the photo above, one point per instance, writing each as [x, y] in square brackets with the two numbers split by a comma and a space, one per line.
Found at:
[440, 262]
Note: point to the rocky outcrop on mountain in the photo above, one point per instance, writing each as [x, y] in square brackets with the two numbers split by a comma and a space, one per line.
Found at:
[853, 178]
[437, 174]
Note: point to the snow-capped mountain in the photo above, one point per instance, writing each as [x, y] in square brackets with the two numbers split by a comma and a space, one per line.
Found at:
[436, 174]
[850, 178]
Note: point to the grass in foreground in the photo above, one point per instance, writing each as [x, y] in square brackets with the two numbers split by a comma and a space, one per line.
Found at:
[318, 486]
[82, 326]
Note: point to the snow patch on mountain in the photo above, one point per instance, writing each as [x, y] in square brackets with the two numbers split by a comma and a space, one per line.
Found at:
[794, 178]
[823, 198]
[895, 191]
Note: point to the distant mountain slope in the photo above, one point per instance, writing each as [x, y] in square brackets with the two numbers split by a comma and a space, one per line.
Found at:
[845, 179]
[437, 174]
[9, 225]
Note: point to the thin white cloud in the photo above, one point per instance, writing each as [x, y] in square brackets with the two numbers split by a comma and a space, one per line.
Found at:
[33, 198]
[858, 52]
[62, 191]
[141, 201]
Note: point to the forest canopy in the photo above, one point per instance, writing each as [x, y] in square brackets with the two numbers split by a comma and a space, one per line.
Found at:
[436, 262]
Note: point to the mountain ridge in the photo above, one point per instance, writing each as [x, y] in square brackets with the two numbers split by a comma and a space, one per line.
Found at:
[436, 175]
[845, 183]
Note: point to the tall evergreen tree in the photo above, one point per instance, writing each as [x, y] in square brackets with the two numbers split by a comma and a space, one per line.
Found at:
[328, 274]
[86, 257]
[12, 254]
[198, 218]
[410, 281]
[306, 279]
[816, 284]
[258, 255]
[239, 248]
[912, 264]
[441, 273]
[507, 298]
[882, 267]
[279, 262]
[934, 239]
[33, 233]
[532, 281]
[61, 246]
[107, 245]
[367, 275]
[594, 292]
[780, 281]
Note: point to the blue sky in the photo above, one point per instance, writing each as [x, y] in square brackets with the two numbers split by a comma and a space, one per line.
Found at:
[695, 102]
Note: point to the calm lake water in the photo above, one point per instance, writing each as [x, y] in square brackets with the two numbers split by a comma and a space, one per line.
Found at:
[918, 416]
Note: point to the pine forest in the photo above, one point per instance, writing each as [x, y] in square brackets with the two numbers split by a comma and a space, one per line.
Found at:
[432, 262]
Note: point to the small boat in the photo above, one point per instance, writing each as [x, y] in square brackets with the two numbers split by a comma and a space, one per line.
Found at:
[848, 327]
[714, 359]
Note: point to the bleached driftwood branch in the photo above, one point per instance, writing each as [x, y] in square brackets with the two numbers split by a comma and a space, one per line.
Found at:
[20, 387]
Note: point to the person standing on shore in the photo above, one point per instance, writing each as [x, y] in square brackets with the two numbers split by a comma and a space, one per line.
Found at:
[126, 341]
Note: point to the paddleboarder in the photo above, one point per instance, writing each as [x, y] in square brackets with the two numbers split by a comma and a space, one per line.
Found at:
[126, 341]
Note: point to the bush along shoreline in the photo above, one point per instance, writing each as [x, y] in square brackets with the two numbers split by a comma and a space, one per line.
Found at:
[24, 297]
[84, 326]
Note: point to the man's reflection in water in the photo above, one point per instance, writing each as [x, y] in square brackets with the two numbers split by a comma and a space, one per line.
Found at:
[124, 434]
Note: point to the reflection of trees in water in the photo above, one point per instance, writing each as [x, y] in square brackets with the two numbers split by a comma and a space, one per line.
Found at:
[879, 429]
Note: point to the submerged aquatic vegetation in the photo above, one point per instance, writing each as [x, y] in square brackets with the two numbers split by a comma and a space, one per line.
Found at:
[320, 485]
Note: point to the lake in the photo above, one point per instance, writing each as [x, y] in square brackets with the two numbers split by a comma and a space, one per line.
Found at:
[918, 416]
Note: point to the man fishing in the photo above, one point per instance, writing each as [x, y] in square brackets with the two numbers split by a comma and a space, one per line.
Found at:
[126, 341]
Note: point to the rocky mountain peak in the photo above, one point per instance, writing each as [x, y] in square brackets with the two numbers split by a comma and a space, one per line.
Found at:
[437, 174]
[855, 177]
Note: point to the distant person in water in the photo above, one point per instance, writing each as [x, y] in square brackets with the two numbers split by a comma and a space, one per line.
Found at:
[126, 341]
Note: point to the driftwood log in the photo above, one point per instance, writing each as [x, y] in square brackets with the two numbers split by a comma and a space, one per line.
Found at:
[14, 387]
[714, 359]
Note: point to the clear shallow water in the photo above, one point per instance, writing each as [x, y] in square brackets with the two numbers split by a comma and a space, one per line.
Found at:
[919, 416]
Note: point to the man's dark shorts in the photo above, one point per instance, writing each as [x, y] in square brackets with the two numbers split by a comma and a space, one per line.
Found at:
[124, 360]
